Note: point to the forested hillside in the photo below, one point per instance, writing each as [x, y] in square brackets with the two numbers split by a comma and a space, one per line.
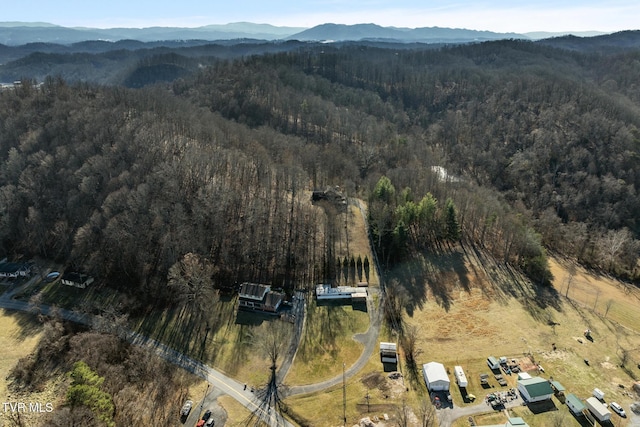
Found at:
[541, 146]
[555, 132]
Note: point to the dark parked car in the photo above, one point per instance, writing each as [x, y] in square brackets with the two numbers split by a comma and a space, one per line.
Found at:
[207, 415]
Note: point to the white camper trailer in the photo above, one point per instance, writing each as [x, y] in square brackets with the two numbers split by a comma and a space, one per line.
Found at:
[461, 378]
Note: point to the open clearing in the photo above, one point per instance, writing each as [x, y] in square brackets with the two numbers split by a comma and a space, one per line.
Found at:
[480, 318]
[19, 335]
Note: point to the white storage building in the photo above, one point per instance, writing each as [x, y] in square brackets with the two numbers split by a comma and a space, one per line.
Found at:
[435, 376]
[461, 378]
[598, 409]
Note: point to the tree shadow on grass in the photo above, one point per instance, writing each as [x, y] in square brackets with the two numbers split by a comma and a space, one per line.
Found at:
[28, 324]
[441, 272]
[325, 323]
[506, 282]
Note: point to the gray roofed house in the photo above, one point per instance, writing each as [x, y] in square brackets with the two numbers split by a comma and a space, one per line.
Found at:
[255, 296]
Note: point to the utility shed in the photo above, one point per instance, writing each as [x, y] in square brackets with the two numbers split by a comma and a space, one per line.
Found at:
[435, 376]
[574, 404]
[511, 422]
[535, 389]
[524, 376]
[388, 352]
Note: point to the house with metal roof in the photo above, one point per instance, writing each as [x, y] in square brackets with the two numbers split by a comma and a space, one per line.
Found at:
[254, 296]
[535, 389]
[435, 376]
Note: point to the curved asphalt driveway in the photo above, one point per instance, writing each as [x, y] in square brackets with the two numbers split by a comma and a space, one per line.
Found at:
[370, 341]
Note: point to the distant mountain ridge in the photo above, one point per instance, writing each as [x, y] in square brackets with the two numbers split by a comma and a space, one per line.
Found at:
[20, 33]
[341, 32]
[16, 33]
[23, 33]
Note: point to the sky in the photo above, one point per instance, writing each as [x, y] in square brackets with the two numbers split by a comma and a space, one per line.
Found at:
[499, 15]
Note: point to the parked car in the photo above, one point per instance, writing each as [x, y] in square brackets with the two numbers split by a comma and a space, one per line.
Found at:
[52, 277]
[210, 423]
[207, 415]
[617, 409]
[186, 408]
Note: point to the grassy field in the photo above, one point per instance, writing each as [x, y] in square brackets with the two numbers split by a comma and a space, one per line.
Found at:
[466, 319]
[327, 342]
[617, 301]
[19, 335]
[353, 240]
[385, 396]
[236, 413]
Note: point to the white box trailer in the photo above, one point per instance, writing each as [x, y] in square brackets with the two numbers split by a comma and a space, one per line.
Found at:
[461, 378]
[598, 394]
[598, 409]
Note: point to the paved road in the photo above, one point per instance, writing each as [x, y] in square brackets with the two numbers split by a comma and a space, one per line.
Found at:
[217, 379]
[447, 415]
[220, 382]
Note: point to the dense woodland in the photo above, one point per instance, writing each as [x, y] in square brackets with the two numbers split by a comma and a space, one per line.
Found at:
[540, 144]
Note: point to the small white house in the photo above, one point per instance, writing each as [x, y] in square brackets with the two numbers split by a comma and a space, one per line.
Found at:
[77, 280]
[461, 378]
[574, 404]
[435, 376]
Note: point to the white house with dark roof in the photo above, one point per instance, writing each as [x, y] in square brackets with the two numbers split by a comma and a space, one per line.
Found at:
[255, 296]
[77, 280]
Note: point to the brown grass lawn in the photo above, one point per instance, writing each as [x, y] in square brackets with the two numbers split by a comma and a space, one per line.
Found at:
[353, 240]
[19, 335]
[237, 414]
[617, 301]
[385, 396]
[327, 342]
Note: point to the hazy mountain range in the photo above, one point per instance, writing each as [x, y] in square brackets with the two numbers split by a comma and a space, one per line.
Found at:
[20, 33]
